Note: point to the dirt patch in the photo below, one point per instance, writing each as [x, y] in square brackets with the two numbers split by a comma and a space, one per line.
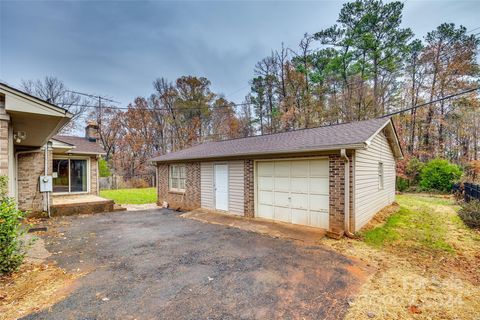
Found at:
[400, 286]
[32, 288]
[381, 216]
[37, 284]
[304, 234]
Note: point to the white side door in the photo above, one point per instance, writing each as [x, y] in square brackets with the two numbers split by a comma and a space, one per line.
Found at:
[221, 186]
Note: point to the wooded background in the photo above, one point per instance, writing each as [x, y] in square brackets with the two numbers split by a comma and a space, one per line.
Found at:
[363, 67]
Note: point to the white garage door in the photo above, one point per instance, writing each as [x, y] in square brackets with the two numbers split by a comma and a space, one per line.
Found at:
[294, 191]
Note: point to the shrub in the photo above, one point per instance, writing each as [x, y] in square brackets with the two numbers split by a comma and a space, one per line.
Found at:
[439, 175]
[138, 183]
[103, 168]
[470, 213]
[11, 247]
[3, 187]
[402, 184]
[413, 169]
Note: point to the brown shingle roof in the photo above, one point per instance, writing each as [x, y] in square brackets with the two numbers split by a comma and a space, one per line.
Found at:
[82, 145]
[351, 135]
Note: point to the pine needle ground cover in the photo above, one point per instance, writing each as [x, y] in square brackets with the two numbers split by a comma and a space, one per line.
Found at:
[426, 259]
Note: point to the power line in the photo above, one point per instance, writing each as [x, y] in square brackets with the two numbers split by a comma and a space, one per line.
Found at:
[159, 109]
[430, 102]
[93, 96]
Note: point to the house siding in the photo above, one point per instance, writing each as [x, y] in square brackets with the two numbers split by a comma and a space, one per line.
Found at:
[188, 200]
[4, 146]
[236, 182]
[368, 198]
[206, 185]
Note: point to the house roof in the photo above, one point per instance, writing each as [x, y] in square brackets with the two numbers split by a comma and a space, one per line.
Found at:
[353, 135]
[80, 145]
[5, 87]
[36, 119]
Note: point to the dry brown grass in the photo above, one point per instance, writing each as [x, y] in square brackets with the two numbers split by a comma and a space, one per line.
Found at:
[32, 288]
[412, 281]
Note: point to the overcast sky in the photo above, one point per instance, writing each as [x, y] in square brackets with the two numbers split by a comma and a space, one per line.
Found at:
[117, 49]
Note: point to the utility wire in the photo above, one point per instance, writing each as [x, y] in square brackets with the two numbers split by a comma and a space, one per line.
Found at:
[430, 102]
[158, 109]
[92, 96]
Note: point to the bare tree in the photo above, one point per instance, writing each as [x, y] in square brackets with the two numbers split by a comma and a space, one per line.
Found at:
[54, 91]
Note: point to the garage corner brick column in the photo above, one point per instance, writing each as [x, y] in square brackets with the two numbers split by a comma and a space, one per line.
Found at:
[337, 194]
[249, 207]
[188, 200]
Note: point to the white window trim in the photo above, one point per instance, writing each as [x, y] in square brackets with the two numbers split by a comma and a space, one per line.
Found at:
[88, 173]
[381, 176]
[179, 190]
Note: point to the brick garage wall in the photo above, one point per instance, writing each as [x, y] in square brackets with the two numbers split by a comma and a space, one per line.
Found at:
[337, 194]
[249, 209]
[188, 200]
[3, 147]
[30, 167]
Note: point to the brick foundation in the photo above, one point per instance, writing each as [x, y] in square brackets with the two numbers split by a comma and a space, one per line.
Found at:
[188, 200]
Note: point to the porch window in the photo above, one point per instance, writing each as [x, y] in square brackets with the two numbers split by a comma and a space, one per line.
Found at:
[70, 175]
[177, 177]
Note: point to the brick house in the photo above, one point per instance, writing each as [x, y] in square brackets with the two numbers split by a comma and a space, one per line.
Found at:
[30, 148]
[297, 177]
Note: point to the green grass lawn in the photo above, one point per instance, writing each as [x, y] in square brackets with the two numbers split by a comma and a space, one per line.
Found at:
[421, 221]
[131, 196]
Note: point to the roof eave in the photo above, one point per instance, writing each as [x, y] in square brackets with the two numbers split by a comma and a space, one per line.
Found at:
[307, 150]
[86, 153]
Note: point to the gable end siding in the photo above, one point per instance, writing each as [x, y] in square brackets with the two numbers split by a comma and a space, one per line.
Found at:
[369, 199]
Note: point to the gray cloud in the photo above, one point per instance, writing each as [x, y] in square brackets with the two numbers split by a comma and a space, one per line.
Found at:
[118, 48]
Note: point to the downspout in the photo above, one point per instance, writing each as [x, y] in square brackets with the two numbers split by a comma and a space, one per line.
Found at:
[343, 154]
[46, 174]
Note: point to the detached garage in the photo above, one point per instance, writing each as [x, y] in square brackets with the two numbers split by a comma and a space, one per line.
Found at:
[295, 177]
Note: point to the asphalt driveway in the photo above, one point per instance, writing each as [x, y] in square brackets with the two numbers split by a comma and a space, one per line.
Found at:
[156, 265]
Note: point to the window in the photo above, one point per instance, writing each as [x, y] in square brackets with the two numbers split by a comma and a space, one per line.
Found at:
[70, 175]
[177, 177]
[380, 175]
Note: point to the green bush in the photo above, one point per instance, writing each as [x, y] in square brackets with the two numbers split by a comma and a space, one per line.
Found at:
[104, 170]
[402, 184]
[413, 169]
[439, 175]
[470, 213]
[12, 249]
